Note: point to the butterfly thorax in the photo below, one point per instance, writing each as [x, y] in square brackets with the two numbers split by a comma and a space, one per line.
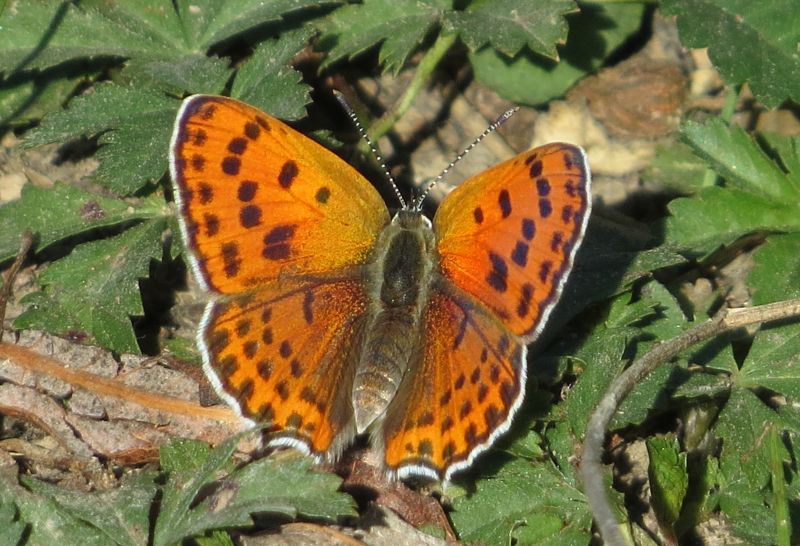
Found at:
[398, 277]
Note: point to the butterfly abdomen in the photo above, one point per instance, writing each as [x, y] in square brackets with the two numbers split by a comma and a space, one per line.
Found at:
[402, 263]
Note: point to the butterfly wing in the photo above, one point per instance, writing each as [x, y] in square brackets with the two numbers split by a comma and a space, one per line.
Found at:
[280, 355]
[506, 240]
[279, 227]
[508, 236]
[463, 387]
[258, 200]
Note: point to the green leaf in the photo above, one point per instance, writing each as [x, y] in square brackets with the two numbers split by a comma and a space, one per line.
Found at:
[136, 124]
[718, 216]
[95, 290]
[753, 42]
[209, 22]
[664, 321]
[190, 464]
[121, 514]
[194, 73]
[266, 81]
[43, 34]
[786, 150]
[774, 361]
[603, 355]
[528, 78]
[776, 274]
[289, 488]
[676, 167]
[45, 521]
[401, 26]
[510, 25]
[613, 255]
[735, 156]
[669, 479]
[26, 97]
[528, 503]
[53, 214]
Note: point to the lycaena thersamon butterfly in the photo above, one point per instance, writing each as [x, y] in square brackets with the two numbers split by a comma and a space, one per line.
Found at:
[330, 319]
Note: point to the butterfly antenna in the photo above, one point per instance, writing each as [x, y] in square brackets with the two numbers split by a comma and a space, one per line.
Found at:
[417, 204]
[372, 147]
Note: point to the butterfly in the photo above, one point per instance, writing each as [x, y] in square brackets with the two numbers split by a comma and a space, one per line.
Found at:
[329, 318]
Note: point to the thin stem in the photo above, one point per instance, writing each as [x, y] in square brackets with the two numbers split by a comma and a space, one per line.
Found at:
[423, 72]
[591, 465]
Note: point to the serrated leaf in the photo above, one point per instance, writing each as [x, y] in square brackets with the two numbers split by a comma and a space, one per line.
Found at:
[510, 25]
[734, 155]
[603, 355]
[786, 151]
[266, 80]
[776, 274]
[26, 97]
[774, 361]
[136, 124]
[666, 320]
[95, 290]
[669, 479]
[195, 73]
[209, 22]
[289, 487]
[191, 464]
[529, 503]
[121, 514]
[53, 214]
[753, 42]
[183, 455]
[526, 446]
[39, 34]
[676, 167]
[528, 78]
[719, 216]
[46, 522]
[400, 26]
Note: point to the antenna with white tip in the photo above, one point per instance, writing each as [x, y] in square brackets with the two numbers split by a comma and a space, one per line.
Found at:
[372, 147]
[416, 204]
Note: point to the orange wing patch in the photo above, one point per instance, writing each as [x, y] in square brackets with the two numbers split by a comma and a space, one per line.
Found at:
[508, 235]
[283, 356]
[458, 396]
[259, 200]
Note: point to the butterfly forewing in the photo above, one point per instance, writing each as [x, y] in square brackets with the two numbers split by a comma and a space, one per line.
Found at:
[508, 235]
[258, 200]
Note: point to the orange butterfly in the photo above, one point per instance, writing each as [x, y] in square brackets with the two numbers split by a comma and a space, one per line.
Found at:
[330, 319]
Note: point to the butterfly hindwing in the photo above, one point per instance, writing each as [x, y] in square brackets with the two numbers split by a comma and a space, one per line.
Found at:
[282, 354]
[463, 387]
